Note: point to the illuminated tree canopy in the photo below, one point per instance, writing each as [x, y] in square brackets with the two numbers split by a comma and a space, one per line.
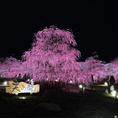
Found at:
[53, 57]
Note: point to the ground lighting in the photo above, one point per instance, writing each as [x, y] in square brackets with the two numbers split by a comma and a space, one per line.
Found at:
[113, 93]
[23, 98]
[16, 93]
[70, 82]
[56, 80]
[80, 86]
[105, 83]
[5, 83]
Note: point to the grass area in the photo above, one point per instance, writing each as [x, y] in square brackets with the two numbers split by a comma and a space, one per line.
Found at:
[54, 103]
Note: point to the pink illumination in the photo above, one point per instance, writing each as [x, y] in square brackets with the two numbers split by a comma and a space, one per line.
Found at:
[53, 57]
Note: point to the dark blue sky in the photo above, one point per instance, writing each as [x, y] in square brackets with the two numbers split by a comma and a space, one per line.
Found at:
[93, 23]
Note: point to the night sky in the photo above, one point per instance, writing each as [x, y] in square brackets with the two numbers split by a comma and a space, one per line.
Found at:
[93, 23]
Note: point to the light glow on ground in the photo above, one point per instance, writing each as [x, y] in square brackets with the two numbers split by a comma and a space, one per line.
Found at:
[112, 95]
[22, 98]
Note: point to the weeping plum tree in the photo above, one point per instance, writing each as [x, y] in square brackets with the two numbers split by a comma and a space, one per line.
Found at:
[53, 56]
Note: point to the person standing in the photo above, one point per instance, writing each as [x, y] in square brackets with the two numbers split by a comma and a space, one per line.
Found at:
[32, 82]
[19, 77]
[25, 77]
[112, 83]
[92, 84]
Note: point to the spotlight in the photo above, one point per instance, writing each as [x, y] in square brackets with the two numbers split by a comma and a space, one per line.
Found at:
[5, 83]
[113, 93]
[117, 96]
[70, 82]
[28, 80]
[56, 80]
[80, 86]
[16, 93]
[105, 83]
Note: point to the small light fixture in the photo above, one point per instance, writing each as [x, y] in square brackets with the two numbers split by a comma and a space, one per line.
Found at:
[113, 93]
[115, 116]
[56, 80]
[28, 80]
[23, 98]
[80, 86]
[70, 82]
[16, 93]
[105, 83]
[5, 83]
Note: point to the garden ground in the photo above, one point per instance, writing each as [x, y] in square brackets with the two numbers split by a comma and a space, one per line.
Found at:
[55, 103]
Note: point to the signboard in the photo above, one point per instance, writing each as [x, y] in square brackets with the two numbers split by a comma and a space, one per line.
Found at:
[21, 87]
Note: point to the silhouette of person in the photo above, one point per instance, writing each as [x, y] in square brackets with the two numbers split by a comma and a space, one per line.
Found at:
[112, 80]
[92, 78]
[25, 77]
[15, 78]
[19, 77]
[111, 84]
[92, 85]
[32, 82]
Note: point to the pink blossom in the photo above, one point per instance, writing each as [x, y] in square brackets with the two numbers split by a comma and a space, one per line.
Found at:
[53, 56]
